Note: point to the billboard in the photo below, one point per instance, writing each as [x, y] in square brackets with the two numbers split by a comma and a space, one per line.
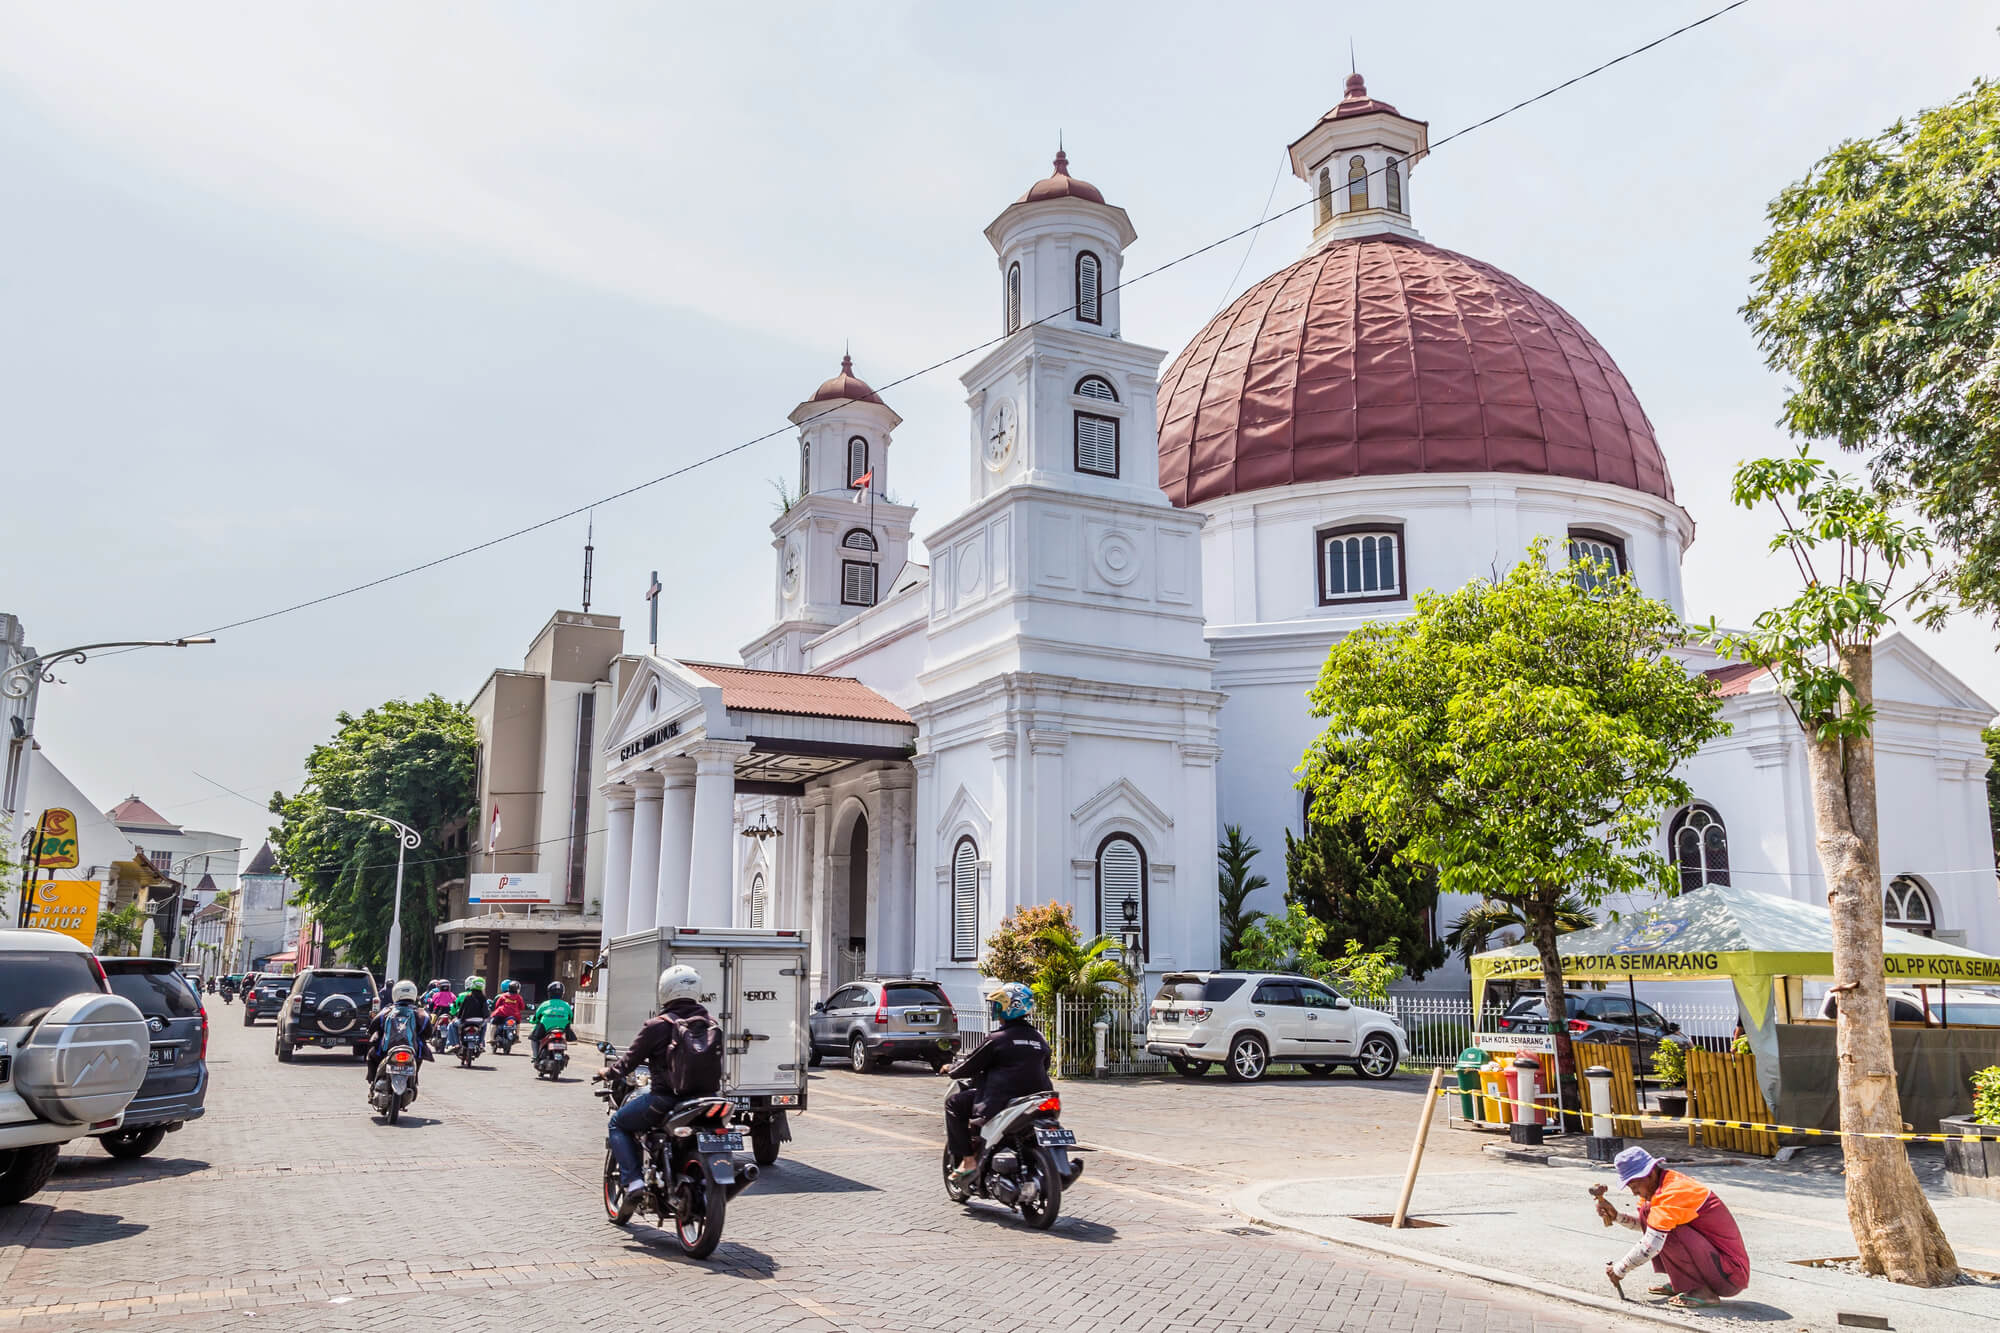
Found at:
[55, 841]
[67, 905]
[513, 889]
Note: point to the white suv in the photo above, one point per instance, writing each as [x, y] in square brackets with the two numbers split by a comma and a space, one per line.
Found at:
[1246, 1021]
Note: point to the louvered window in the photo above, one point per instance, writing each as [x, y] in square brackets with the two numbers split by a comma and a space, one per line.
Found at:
[1086, 288]
[1325, 194]
[859, 539]
[1121, 889]
[1360, 566]
[805, 469]
[1013, 298]
[1357, 184]
[964, 901]
[857, 459]
[757, 908]
[1096, 386]
[1096, 444]
[857, 583]
[1393, 177]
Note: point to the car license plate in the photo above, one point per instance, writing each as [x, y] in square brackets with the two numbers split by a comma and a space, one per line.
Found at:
[729, 1142]
[162, 1055]
[1170, 1017]
[1056, 1138]
[920, 1020]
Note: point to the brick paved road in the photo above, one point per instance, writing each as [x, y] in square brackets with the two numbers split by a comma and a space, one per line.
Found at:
[290, 1207]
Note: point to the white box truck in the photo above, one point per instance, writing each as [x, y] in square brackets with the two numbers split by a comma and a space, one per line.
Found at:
[754, 982]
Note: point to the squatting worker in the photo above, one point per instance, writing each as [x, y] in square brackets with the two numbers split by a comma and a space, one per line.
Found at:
[1686, 1230]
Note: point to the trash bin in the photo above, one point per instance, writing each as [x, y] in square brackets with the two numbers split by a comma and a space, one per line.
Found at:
[1494, 1090]
[1469, 1061]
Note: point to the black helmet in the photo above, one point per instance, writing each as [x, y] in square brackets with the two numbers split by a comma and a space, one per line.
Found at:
[555, 990]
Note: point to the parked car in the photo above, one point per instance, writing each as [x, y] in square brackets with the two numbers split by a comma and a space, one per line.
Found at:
[263, 995]
[1246, 1021]
[1599, 1016]
[1961, 1008]
[176, 1083]
[328, 1007]
[881, 1020]
[72, 1054]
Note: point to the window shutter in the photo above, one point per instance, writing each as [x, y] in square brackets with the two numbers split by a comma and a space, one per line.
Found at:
[857, 583]
[757, 903]
[964, 901]
[859, 539]
[1096, 444]
[1096, 386]
[1013, 298]
[805, 469]
[857, 459]
[1120, 876]
[1086, 288]
[1394, 177]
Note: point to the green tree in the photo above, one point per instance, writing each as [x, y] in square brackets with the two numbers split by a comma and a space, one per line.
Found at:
[1991, 736]
[119, 932]
[1477, 926]
[1878, 295]
[1235, 882]
[1521, 735]
[1365, 893]
[411, 761]
[1072, 969]
[1850, 550]
[1298, 942]
[1017, 949]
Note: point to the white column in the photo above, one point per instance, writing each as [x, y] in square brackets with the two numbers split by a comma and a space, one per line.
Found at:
[711, 867]
[645, 859]
[618, 859]
[677, 845]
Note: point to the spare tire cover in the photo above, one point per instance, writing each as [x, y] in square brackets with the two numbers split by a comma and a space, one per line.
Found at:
[85, 1060]
[337, 1013]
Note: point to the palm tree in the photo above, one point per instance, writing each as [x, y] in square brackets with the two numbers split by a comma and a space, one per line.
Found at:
[1474, 931]
[1235, 883]
[1073, 970]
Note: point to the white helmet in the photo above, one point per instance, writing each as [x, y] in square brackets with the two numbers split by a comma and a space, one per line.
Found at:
[403, 992]
[679, 982]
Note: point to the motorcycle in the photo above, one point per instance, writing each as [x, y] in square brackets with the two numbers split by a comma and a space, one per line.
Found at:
[1024, 1159]
[229, 995]
[552, 1057]
[471, 1041]
[505, 1032]
[395, 1084]
[690, 1173]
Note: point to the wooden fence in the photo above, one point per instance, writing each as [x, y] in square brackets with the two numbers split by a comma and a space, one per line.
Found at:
[1724, 1087]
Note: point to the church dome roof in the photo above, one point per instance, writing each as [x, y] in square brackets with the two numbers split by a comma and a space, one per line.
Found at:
[1384, 356]
[844, 385]
[1061, 185]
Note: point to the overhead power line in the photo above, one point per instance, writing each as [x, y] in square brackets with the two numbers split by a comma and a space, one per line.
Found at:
[941, 362]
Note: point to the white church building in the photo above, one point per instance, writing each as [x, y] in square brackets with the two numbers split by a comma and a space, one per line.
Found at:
[1107, 658]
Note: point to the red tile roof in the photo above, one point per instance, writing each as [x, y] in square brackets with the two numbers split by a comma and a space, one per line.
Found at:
[1734, 679]
[132, 810]
[799, 693]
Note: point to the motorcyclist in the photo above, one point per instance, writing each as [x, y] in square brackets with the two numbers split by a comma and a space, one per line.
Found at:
[510, 1007]
[470, 1004]
[680, 1010]
[401, 1019]
[1012, 1062]
[551, 1015]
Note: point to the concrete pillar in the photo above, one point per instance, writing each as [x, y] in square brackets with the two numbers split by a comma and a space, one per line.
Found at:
[676, 844]
[813, 893]
[639, 911]
[711, 866]
[617, 858]
[900, 884]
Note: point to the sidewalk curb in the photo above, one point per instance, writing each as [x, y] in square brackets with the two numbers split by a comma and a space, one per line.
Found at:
[1631, 1309]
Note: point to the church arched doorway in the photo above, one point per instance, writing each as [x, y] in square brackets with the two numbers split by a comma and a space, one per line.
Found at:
[854, 926]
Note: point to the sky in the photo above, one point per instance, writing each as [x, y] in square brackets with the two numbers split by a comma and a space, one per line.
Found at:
[293, 297]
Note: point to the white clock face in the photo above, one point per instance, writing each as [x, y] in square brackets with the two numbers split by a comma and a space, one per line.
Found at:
[1002, 426]
[790, 577]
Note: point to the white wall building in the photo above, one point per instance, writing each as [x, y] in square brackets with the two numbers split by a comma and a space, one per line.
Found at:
[1109, 654]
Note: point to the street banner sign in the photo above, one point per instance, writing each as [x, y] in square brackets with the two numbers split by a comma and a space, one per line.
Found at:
[68, 906]
[513, 889]
[55, 841]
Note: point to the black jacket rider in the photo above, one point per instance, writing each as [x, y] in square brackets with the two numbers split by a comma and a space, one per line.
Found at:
[1012, 1062]
[655, 1043]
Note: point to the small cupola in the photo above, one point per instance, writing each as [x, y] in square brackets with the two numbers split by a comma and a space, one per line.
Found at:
[1060, 248]
[1357, 161]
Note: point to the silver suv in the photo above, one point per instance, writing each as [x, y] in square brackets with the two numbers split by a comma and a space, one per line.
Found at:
[876, 1021]
[1248, 1021]
[72, 1055]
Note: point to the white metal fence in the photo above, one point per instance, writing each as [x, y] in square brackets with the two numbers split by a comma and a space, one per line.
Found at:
[1440, 1026]
[1074, 1037]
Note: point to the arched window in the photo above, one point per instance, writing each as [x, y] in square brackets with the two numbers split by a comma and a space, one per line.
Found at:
[1121, 889]
[805, 468]
[757, 908]
[1013, 298]
[859, 539]
[1087, 288]
[1357, 184]
[1325, 194]
[857, 459]
[1592, 549]
[1906, 905]
[1393, 178]
[1699, 846]
[965, 900]
[1361, 564]
[1096, 386]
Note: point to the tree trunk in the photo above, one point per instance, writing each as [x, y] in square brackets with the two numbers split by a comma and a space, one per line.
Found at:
[1542, 929]
[1898, 1235]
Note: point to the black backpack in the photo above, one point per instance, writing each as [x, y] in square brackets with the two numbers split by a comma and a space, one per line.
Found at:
[694, 1063]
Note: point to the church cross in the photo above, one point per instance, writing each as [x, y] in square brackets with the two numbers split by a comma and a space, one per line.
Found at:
[653, 591]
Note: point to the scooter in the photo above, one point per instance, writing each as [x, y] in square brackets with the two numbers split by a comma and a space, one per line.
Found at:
[395, 1084]
[552, 1057]
[505, 1032]
[1025, 1159]
[690, 1174]
[471, 1041]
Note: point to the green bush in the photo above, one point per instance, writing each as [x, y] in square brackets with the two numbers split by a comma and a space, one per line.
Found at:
[1669, 1064]
[1986, 1095]
[1740, 1046]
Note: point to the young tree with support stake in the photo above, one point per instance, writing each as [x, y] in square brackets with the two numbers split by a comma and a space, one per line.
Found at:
[1849, 549]
[1521, 736]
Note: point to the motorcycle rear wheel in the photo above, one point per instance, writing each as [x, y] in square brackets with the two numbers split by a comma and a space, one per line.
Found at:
[1047, 1206]
[956, 1193]
[700, 1232]
[618, 1209]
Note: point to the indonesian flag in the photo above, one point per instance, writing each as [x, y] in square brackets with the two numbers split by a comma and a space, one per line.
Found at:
[860, 485]
[494, 841]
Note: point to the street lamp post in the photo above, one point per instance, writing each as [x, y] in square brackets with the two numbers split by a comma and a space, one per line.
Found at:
[406, 838]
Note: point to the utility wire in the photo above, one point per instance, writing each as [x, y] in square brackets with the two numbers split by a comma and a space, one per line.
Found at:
[934, 366]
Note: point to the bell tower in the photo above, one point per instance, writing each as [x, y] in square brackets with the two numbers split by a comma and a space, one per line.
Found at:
[1357, 161]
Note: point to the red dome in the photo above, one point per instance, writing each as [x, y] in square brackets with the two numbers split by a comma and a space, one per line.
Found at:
[1385, 356]
[844, 386]
[1061, 185]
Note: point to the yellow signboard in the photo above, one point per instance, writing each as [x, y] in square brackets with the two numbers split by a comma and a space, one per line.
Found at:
[55, 841]
[67, 905]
